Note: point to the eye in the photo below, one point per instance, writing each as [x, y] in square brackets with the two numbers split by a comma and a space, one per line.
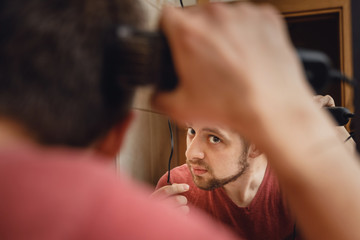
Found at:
[214, 139]
[191, 131]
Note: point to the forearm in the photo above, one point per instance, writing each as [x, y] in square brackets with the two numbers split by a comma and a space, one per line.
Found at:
[320, 176]
[345, 136]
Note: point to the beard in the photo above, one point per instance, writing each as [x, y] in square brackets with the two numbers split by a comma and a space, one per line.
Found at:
[213, 183]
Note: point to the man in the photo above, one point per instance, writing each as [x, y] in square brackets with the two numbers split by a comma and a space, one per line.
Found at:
[231, 180]
[62, 121]
[50, 182]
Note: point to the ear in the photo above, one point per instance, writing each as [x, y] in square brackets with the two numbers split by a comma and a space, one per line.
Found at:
[253, 151]
[111, 143]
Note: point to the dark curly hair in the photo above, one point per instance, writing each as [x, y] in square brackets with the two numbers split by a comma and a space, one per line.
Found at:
[52, 77]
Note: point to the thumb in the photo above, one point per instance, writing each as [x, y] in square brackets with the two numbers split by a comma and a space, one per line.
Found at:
[172, 104]
[170, 18]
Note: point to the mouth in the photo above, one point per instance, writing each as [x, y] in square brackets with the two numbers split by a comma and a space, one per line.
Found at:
[198, 171]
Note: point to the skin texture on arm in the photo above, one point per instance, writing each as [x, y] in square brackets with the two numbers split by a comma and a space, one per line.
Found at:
[328, 101]
[249, 77]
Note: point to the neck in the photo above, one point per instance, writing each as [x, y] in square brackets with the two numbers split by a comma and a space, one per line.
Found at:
[13, 135]
[243, 190]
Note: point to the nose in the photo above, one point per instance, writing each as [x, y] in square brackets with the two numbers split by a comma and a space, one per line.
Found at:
[194, 149]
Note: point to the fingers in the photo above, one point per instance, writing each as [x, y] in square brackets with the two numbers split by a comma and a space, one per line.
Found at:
[170, 190]
[181, 200]
[176, 188]
[172, 193]
[230, 61]
[324, 101]
[170, 16]
[164, 102]
[185, 209]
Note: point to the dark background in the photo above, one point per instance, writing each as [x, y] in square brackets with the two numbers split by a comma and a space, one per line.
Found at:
[355, 11]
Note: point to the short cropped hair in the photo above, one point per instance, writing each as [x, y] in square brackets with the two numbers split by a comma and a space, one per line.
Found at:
[52, 78]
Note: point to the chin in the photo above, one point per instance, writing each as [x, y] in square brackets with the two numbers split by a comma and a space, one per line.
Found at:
[202, 184]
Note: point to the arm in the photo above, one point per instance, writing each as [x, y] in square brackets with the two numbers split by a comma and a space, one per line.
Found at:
[236, 66]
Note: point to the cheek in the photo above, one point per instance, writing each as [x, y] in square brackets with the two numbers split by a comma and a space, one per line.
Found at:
[224, 165]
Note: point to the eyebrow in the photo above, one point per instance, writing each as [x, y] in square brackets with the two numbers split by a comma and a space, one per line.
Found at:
[217, 132]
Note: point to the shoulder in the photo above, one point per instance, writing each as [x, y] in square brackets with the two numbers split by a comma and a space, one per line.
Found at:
[272, 191]
[270, 180]
[85, 200]
[180, 173]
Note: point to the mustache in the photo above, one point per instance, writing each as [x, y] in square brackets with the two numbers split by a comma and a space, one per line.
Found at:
[199, 163]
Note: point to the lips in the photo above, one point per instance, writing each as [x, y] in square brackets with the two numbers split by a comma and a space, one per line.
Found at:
[199, 171]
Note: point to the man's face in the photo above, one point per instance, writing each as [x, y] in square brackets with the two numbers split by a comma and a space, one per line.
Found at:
[215, 156]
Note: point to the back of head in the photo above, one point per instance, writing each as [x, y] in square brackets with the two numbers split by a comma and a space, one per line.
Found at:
[52, 78]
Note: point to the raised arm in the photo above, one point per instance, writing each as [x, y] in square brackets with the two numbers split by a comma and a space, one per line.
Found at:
[237, 66]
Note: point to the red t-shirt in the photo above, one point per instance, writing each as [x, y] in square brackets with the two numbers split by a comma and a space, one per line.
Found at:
[65, 194]
[265, 218]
